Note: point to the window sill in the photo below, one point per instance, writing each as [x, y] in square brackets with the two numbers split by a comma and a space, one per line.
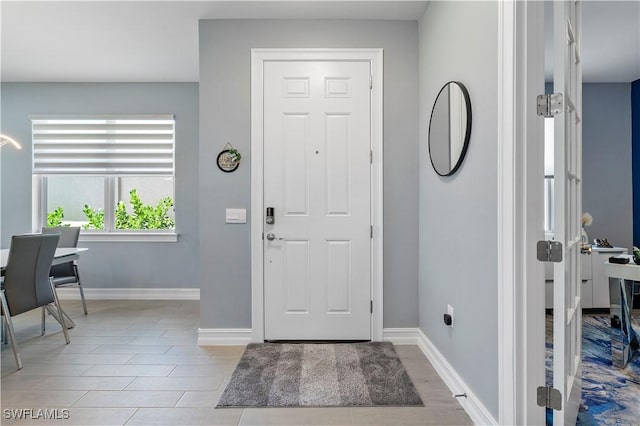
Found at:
[129, 237]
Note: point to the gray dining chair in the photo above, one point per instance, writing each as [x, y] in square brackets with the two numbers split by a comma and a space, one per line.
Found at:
[66, 274]
[27, 284]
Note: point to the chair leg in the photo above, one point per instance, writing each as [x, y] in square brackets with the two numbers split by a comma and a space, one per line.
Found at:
[43, 322]
[4, 331]
[60, 312]
[12, 336]
[84, 302]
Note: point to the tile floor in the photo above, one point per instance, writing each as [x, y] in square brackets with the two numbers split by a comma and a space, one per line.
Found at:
[137, 363]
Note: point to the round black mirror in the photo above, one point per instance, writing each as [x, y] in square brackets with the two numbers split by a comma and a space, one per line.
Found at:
[449, 128]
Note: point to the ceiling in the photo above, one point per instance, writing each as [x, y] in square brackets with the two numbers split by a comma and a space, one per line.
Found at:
[133, 41]
[79, 41]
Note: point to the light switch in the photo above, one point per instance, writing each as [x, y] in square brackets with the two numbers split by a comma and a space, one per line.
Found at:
[236, 215]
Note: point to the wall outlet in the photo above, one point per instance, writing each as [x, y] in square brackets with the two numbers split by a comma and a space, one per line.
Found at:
[450, 312]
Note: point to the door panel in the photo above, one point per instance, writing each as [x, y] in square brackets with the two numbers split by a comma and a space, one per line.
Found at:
[297, 277]
[339, 277]
[567, 312]
[317, 177]
[295, 140]
[338, 165]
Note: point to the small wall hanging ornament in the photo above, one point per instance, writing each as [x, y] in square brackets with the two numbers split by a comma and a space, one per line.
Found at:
[229, 159]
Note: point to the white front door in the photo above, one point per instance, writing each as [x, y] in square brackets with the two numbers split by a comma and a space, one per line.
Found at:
[567, 306]
[317, 179]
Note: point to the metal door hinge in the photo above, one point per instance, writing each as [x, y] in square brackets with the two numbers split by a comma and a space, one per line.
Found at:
[371, 157]
[549, 105]
[549, 251]
[549, 397]
[370, 82]
[371, 231]
[263, 236]
[371, 306]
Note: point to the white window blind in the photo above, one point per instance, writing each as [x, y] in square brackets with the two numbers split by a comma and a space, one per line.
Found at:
[103, 145]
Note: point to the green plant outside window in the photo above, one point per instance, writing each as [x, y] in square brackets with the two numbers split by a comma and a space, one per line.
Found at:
[143, 216]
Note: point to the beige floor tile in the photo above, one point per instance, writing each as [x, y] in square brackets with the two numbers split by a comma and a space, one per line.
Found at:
[40, 399]
[163, 340]
[44, 383]
[176, 383]
[89, 340]
[409, 416]
[32, 369]
[193, 350]
[83, 358]
[131, 349]
[207, 370]
[185, 416]
[119, 332]
[409, 351]
[227, 350]
[181, 332]
[83, 383]
[129, 399]
[224, 362]
[129, 370]
[169, 359]
[435, 393]
[199, 399]
[62, 348]
[106, 321]
[17, 382]
[160, 365]
[296, 416]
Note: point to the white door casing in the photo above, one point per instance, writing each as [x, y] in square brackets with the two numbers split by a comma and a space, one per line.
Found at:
[567, 309]
[317, 178]
[311, 144]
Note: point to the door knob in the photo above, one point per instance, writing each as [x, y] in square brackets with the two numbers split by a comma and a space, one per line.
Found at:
[271, 236]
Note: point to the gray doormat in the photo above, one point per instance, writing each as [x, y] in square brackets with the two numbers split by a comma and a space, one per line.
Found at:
[319, 375]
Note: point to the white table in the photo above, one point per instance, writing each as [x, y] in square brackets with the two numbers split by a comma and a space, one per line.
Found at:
[63, 255]
[622, 287]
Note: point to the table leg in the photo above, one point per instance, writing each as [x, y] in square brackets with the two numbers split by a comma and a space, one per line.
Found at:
[624, 340]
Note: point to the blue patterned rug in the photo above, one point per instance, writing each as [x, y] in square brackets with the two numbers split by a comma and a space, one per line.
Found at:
[610, 395]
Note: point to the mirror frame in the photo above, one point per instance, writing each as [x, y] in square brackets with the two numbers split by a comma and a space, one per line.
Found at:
[467, 135]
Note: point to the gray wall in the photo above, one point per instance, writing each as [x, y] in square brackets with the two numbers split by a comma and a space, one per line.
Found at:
[225, 66]
[458, 214]
[110, 264]
[606, 154]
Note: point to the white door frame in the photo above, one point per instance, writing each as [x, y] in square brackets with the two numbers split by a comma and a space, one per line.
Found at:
[520, 185]
[258, 58]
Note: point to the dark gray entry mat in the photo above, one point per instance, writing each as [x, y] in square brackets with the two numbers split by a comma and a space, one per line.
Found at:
[319, 375]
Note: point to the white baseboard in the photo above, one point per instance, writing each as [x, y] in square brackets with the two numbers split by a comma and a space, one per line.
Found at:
[400, 336]
[471, 404]
[72, 293]
[224, 336]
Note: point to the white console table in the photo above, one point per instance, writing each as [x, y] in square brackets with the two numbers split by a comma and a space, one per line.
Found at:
[595, 285]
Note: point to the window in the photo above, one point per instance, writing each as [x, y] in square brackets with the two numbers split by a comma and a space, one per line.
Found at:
[111, 175]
